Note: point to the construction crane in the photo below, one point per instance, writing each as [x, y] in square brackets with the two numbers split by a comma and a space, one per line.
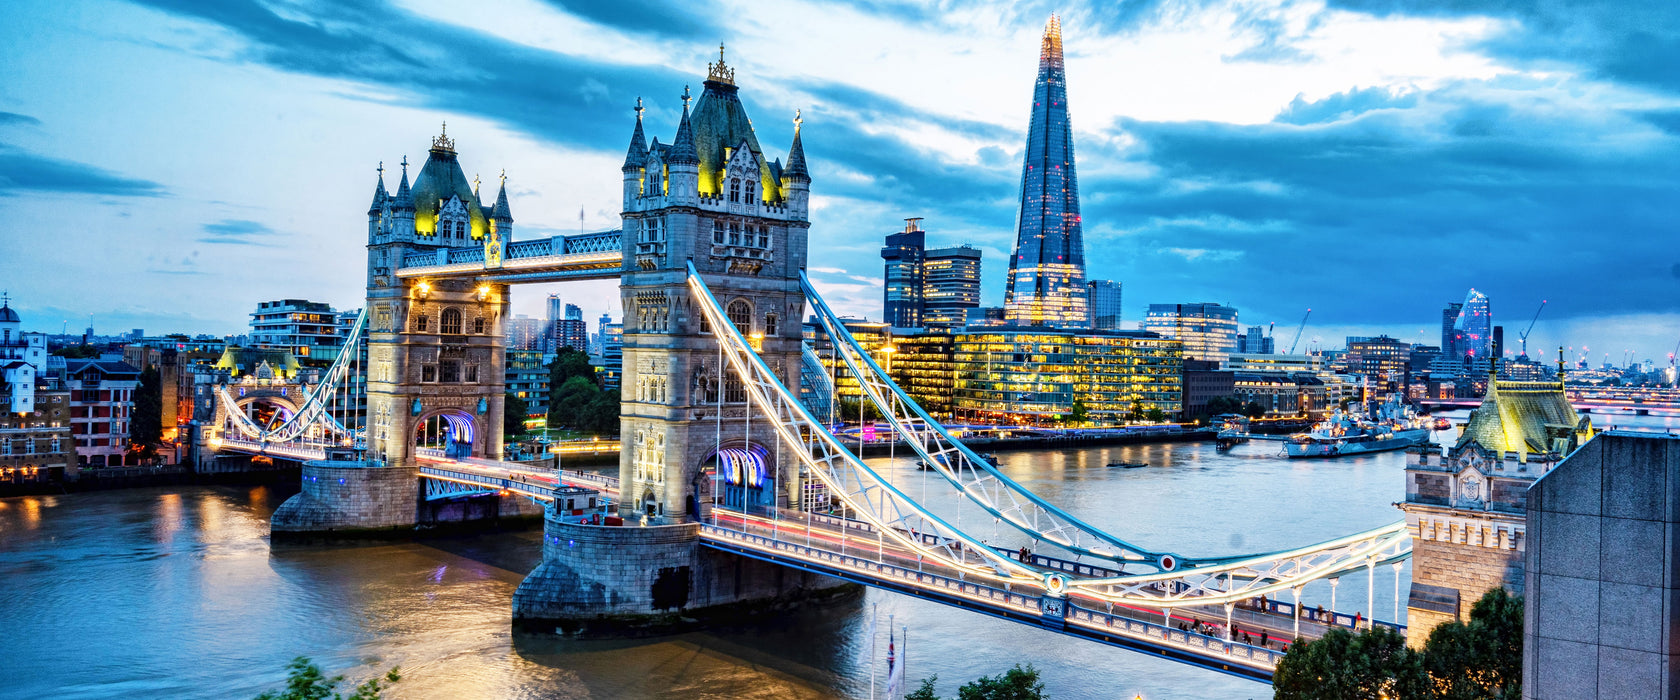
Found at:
[1298, 330]
[1524, 336]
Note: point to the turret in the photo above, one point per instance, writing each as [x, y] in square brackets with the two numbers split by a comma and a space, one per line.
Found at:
[796, 180]
[377, 209]
[684, 160]
[635, 161]
[501, 218]
[402, 207]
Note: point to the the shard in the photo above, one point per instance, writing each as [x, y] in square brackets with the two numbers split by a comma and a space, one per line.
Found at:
[1047, 270]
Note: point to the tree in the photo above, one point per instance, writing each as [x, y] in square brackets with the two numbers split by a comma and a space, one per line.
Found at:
[1136, 412]
[925, 692]
[1015, 684]
[1345, 666]
[1079, 414]
[569, 363]
[1254, 410]
[77, 352]
[514, 410]
[304, 681]
[1156, 415]
[146, 423]
[1480, 659]
[569, 403]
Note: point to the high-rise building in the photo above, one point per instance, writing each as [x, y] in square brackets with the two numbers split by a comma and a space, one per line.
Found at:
[1473, 331]
[950, 286]
[1014, 374]
[307, 329]
[1449, 316]
[573, 313]
[1255, 342]
[1208, 331]
[1105, 304]
[901, 295]
[1047, 269]
[524, 333]
[527, 378]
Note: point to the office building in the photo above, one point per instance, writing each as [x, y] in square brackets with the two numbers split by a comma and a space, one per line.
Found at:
[1046, 284]
[527, 378]
[950, 286]
[1255, 342]
[1033, 375]
[1449, 317]
[1473, 330]
[1203, 382]
[1385, 362]
[309, 330]
[524, 333]
[1208, 331]
[1104, 298]
[901, 292]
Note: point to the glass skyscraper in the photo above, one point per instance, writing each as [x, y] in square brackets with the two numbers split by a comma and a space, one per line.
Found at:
[901, 296]
[1105, 304]
[1473, 332]
[1047, 269]
[950, 286]
[1208, 331]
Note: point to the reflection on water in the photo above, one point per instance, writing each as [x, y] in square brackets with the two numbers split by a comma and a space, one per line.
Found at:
[176, 593]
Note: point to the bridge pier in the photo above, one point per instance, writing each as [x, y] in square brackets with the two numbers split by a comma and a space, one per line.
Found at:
[598, 581]
[350, 498]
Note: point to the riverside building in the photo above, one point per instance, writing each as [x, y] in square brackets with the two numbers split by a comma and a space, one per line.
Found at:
[1208, 331]
[1036, 374]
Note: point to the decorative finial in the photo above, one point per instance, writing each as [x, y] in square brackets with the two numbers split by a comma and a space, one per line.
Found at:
[798, 119]
[504, 177]
[443, 142]
[475, 183]
[685, 97]
[720, 72]
[639, 108]
[381, 168]
[405, 165]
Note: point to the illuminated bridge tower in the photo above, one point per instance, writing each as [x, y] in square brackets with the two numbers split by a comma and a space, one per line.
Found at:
[1047, 270]
[435, 353]
[712, 197]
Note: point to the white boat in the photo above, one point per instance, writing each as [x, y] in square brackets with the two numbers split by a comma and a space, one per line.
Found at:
[1396, 427]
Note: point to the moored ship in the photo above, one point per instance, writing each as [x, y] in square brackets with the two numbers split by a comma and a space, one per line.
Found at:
[1395, 427]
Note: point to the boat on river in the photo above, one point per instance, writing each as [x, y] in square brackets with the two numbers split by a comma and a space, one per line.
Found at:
[1395, 427]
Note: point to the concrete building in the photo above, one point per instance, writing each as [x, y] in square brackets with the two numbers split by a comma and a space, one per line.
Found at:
[101, 405]
[1383, 360]
[901, 289]
[307, 329]
[1207, 330]
[527, 378]
[1105, 304]
[950, 286]
[1203, 382]
[1466, 505]
[35, 440]
[1599, 572]
[571, 331]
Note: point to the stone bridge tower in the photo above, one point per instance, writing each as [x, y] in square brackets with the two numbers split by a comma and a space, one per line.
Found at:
[435, 348]
[712, 197]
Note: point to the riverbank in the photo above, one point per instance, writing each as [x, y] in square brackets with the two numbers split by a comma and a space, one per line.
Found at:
[882, 448]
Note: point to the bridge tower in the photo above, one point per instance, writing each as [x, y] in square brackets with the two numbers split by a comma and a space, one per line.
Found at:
[712, 197]
[435, 352]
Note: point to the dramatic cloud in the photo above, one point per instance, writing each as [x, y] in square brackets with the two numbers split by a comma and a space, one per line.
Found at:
[22, 171]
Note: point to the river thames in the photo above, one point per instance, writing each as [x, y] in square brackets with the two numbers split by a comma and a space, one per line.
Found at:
[175, 593]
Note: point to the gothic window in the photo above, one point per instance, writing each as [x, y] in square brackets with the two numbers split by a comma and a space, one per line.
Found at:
[478, 325]
[763, 237]
[472, 373]
[734, 234]
[717, 232]
[734, 189]
[428, 373]
[770, 324]
[653, 232]
[449, 371]
[752, 188]
[733, 390]
[740, 314]
[451, 324]
[420, 322]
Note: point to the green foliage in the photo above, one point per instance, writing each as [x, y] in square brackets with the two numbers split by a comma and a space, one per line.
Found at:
[1480, 659]
[1078, 415]
[1015, 684]
[304, 681]
[925, 692]
[513, 416]
[846, 409]
[576, 399]
[569, 363]
[1136, 412]
[1345, 666]
[77, 352]
[1221, 405]
[146, 423]
[1156, 415]
[1254, 410]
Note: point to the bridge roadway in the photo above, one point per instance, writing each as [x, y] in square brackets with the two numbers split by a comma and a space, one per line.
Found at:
[850, 550]
[511, 476]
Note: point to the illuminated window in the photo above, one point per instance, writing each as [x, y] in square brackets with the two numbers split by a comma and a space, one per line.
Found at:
[428, 373]
[740, 314]
[451, 322]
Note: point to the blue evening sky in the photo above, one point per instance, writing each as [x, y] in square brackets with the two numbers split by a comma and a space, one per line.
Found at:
[167, 164]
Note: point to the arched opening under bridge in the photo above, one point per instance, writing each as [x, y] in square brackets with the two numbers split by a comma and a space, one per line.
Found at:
[450, 433]
[743, 476]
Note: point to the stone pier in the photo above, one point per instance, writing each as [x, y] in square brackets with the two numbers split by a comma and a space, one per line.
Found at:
[350, 498]
[598, 581]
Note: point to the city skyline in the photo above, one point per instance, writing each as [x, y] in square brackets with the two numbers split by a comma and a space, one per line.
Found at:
[1302, 135]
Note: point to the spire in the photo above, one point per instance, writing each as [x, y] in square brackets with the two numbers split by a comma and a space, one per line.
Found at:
[682, 150]
[442, 144]
[1052, 43]
[404, 197]
[796, 154]
[501, 211]
[379, 194]
[475, 191]
[636, 158]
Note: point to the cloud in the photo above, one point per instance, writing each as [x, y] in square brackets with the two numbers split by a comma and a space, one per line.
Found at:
[22, 171]
[237, 232]
[11, 118]
[650, 17]
[1345, 105]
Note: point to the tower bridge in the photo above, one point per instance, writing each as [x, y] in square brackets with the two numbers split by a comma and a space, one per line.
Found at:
[730, 496]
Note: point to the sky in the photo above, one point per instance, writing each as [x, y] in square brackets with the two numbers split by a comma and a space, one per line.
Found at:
[167, 164]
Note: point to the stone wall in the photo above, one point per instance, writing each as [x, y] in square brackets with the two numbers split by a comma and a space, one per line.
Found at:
[599, 581]
[1601, 578]
[350, 498]
[1460, 554]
